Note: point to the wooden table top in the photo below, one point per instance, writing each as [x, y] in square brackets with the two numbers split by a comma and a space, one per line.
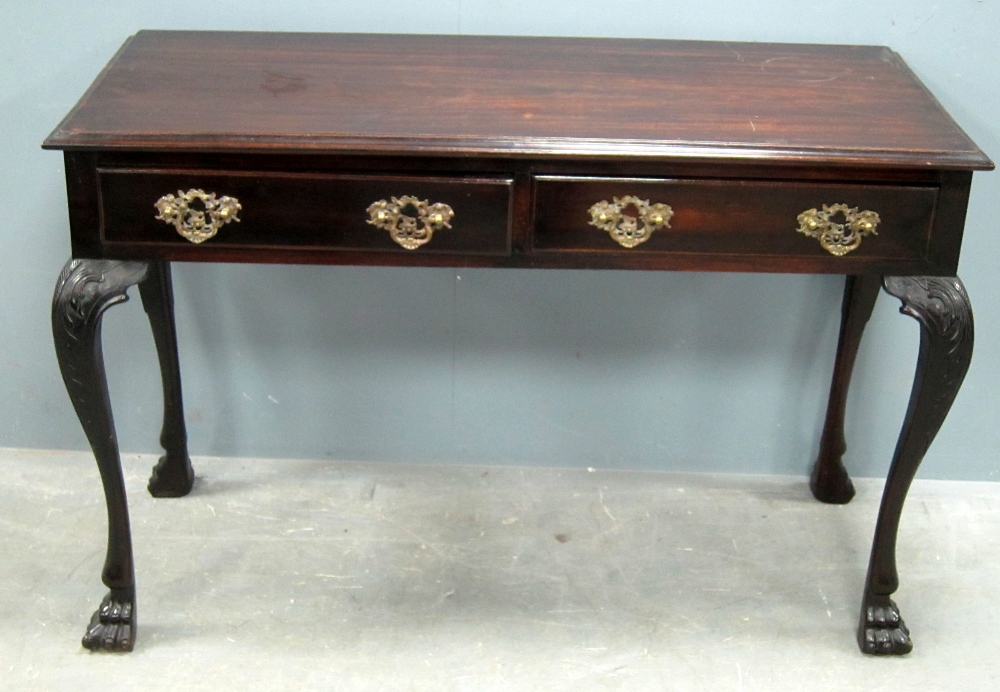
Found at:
[516, 96]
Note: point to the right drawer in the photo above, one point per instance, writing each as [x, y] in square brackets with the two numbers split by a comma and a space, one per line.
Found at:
[733, 217]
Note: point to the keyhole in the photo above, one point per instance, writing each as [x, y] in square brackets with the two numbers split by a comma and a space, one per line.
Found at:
[198, 204]
[631, 210]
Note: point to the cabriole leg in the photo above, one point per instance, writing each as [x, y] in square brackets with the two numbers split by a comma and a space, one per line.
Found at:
[829, 481]
[173, 475]
[942, 308]
[86, 288]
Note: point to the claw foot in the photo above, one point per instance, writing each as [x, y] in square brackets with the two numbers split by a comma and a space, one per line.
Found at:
[112, 628]
[882, 630]
[171, 478]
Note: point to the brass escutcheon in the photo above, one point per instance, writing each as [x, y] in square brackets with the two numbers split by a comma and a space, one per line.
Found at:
[838, 238]
[194, 224]
[409, 231]
[626, 230]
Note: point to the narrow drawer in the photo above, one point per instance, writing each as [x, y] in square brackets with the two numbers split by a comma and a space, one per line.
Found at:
[306, 210]
[731, 217]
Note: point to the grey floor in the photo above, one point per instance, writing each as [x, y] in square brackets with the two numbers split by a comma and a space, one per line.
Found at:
[282, 574]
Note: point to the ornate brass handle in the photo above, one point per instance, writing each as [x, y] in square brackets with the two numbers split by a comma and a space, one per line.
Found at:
[626, 230]
[197, 225]
[838, 238]
[410, 231]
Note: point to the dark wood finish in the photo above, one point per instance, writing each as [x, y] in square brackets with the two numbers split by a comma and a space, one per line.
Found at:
[520, 136]
[829, 481]
[382, 106]
[303, 210]
[942, 308]
[84, 291]
[312, 210]
[173, 475]
[482, 95]
[732, 217]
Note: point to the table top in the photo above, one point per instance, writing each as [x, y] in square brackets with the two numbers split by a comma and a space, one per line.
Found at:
[482, 96]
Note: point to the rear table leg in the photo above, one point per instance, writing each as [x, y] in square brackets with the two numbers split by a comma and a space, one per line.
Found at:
[173, 475]
[829, 481]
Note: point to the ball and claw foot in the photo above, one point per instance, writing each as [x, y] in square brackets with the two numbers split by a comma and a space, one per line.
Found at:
[112, 628]
[171, 479]
[883, 631]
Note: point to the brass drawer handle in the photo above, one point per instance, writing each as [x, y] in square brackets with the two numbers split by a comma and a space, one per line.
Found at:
[410, 231]
[626, 229]
[838, 238]
[197, 225]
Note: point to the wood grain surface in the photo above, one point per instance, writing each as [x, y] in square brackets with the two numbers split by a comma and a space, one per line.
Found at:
[484, 95]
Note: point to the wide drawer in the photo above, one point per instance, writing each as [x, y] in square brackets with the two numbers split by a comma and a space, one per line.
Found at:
[466, 216]
[734, 218]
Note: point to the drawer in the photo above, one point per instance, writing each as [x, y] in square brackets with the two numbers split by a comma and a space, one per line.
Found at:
[731, 217]
[306, 210]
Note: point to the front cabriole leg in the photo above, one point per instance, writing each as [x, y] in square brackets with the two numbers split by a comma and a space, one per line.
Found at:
[942, 308]
[86, 288]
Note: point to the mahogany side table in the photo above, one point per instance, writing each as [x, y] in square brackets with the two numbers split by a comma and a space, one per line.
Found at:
[474, 151]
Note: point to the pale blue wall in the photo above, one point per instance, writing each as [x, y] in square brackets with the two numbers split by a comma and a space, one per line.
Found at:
[605, 369]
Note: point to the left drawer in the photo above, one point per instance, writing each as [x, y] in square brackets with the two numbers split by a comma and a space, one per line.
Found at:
[362, 212]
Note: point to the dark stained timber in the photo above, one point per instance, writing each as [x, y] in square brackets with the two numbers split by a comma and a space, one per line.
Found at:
[941, 306]
[86, 289]
[284, 148]
[173, 475]
[829, 481]
[514, 96]
[112, 627]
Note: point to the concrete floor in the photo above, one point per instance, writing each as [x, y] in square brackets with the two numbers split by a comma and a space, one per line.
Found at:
[281, 574]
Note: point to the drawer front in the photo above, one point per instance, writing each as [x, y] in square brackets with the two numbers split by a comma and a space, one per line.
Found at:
[729, 218]
[293, 210]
